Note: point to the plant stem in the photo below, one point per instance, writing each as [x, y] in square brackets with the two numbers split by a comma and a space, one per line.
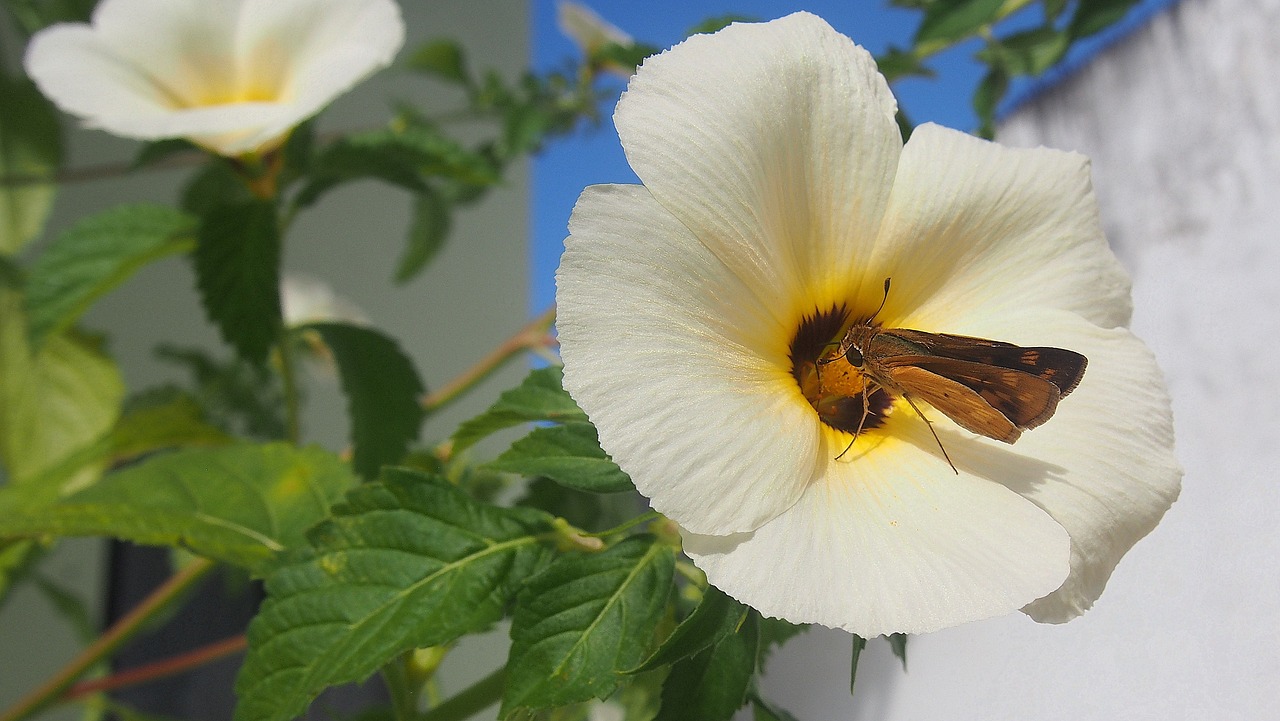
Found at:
[404, 692]
[480, 695]
[533, 335]
[110, 641]
[642, 518]
[288, 378]
[159, 669]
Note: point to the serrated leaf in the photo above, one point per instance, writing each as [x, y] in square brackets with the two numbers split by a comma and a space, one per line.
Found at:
[583, 621]
[241, 504]
[405, 563]
[774, 632]
[177, 423]
[54, 401]
[30, 148]
[96, 255]
[713, 685]
[716, 616]
[215, 185]
[1094, 16]
[237, 262]
[898, 643]
[432, 220]
[234, 394]
[443, 59]
[855, 652]
[946, 21]
[1030, 52]
[383, 393]
[568, 454]
[897, 63]
[763, 710]
[540, 397]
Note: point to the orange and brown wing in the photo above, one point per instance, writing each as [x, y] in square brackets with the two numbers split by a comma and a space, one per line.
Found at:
[969, 393]
[1061, 367]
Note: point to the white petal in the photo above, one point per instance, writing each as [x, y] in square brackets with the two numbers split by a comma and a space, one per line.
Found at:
[775, 144]
[892, 541]
[84, 77]
[1114, 439]
[976, 228]
[683, 371]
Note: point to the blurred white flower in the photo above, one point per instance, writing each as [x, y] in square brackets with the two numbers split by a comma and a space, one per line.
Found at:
[234, 76]
[304, 300]
[587, 29]
[778, 195]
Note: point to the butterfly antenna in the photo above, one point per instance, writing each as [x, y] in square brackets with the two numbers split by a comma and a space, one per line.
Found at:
[929, 423]
[883, 299]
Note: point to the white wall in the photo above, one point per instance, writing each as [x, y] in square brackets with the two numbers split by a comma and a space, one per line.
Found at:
[1182, 120]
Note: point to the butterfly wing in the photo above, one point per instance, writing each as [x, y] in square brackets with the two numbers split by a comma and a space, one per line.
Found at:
[969, 393]
[1063, 368]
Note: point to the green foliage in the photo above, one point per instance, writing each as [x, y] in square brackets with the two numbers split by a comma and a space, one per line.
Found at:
[712, 684]
[237, 262]
[987, 98]
[583, 621]
[1030, 52]
[716, 616]
[856, 647]
[234, 395]
[33, 15]
[432, 220]
[54, 400]
[762, 710]
[711, 25]
[383, 393]
[407, 562]
[96, 255]
[1094, 16]
[30, 151]
[946, 21]
[160, 150]
[541, 397]
[569, 454]
[241, 504]
[898, 643]
[444, 59]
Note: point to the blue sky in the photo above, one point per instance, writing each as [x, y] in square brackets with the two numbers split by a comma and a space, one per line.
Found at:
[593, 155]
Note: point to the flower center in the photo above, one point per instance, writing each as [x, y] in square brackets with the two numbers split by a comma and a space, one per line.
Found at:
[837, 389]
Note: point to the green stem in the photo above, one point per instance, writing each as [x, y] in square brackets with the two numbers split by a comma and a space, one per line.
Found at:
[404, 693]
[288, 377]
[476, 698]
[626, 525]
[529, 337]
[109, 642]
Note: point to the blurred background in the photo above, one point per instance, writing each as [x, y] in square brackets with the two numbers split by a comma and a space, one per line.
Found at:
[1179, 108]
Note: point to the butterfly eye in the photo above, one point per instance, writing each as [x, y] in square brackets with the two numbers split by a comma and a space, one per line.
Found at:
[854, 356]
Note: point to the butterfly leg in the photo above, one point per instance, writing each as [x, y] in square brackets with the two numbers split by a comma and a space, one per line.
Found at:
[866, 411]
[929, 423]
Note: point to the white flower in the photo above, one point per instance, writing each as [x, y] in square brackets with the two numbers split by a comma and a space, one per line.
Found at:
[777, 190]
[234, 76]
[587, 29]
[304, 299]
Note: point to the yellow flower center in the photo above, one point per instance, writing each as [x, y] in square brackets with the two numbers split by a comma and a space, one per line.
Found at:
[839, 391]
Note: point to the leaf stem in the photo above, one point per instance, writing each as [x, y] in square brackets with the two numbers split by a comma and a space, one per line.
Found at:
[404, 692]
[532, 336]
[159, 669]
[626, 525]
[480, 695]
[289, 379]
[110, 641]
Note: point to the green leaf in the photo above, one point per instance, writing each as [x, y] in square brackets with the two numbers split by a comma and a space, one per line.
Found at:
[17, 558]
[987, 98]
[540, 397]
[30, 149]
[54, 401]
[711, 25]
[716, 617]
[568, 454]
[383, 393]
[68, 605]
[858, 644]
[763, 710]
[898, 642]
[237, 262]
[241, 504]
[405, 563]
[1030, 52]
[897, 63]
[156, 151]
[176, 423]
[215, 185]
[35, 15]
[583, 621]
[432, 220]
[774, 632]
[443, 59]
[1094, 16]
[96, 255]
[946, 21]
[713, 684]
[235, 395]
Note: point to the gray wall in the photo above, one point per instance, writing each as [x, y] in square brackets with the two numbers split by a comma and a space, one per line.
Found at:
[472, 298]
